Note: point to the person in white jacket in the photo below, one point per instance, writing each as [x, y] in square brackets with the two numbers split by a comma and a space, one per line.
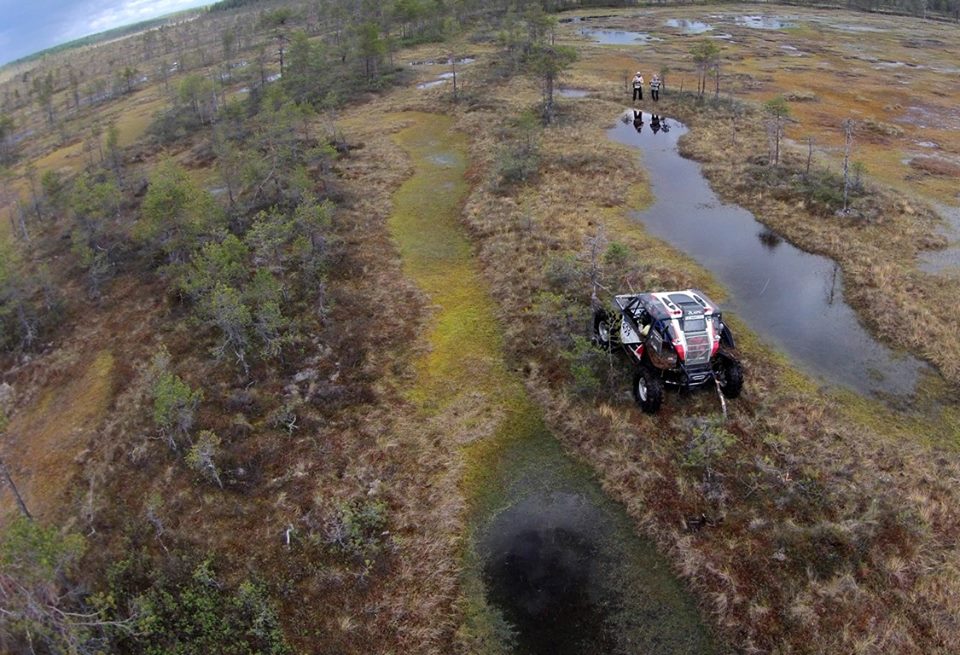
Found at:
[637, 87]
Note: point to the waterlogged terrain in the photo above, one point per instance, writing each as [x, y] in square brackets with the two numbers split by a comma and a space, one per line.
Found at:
[948, 259]
[616, 37]
[552, 566]
[763, 22]
[791, 298]
[688, 26]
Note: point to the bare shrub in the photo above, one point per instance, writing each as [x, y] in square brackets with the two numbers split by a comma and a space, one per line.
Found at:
[936, 166]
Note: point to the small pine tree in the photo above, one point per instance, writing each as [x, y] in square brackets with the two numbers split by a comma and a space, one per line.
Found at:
[174, 402]
[225, 309]
[217, 262]
[177, 215]
[779, 113]
[202, 454]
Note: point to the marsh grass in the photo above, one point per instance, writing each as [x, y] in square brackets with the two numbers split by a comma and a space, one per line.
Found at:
[791, 537]
[830, 525]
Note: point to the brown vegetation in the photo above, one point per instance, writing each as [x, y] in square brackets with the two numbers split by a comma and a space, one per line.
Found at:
[936, 166]
[806, 547]
[814, 522]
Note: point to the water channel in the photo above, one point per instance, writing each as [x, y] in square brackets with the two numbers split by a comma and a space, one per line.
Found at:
[791, 298]
[548, 554]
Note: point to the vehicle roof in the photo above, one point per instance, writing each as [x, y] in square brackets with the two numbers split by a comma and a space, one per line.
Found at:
[677, 304]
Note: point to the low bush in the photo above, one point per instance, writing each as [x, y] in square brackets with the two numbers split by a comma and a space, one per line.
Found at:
[589, 367]
[356, 528]
[184, 611]
[518, 159]
[564, 273]
[174, 124]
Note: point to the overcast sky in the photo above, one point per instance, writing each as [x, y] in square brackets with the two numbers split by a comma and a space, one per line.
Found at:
[27, 26]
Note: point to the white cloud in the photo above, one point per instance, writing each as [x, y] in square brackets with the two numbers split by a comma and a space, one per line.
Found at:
[30, 25]
[96, 17]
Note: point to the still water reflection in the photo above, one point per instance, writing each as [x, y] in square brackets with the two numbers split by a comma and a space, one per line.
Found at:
[791, 298]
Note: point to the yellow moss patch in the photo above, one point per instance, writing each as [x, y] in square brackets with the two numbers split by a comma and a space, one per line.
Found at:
[42, 443]
[463, 337]
[132, 123]
[462, 381]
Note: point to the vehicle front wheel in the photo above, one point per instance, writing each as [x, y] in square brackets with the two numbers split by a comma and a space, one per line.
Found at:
[601, 329]
[647, 390]
[730, 377]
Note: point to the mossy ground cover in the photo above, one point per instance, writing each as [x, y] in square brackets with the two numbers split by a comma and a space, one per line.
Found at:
[507, 450]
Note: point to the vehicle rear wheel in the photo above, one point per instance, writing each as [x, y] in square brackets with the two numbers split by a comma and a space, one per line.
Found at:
[647, 390]
[730, 377]
[601, 328]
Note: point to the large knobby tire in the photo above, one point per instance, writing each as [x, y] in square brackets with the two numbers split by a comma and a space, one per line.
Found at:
[647, 390]
[730, 377]
[602, 329]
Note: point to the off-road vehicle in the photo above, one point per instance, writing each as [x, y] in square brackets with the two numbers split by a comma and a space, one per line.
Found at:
[676, 338]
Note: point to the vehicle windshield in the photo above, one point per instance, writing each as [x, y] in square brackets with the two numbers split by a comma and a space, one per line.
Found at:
[695, 324]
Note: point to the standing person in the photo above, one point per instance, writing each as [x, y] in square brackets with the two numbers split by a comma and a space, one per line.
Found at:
[637, 87]
[655, 87]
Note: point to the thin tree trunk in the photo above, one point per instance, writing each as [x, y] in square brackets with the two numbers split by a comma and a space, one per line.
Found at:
[549, 98]
[36, 200]
[776, 157]
[5, 472]
[848, 141]
[21, 214]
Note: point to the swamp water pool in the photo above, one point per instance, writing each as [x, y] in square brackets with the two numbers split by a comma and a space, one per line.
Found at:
[791, 298]
[549, 558]
[609, 36]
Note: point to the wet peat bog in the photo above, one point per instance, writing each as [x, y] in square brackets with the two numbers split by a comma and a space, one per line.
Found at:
[563, 568]
[688, 26]
[791, 298]
[948, 259]
[607, 36]
[763, 22]
[547, 551]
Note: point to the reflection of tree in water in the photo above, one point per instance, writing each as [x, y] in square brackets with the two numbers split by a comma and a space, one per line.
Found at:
[770, 240]
[833, 283]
